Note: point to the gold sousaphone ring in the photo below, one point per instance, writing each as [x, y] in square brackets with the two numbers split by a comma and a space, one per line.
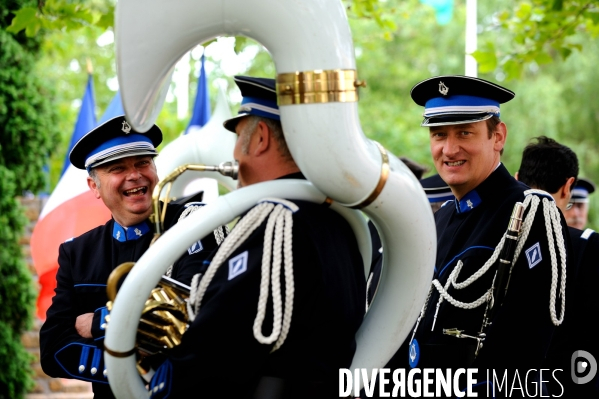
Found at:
[318, 86]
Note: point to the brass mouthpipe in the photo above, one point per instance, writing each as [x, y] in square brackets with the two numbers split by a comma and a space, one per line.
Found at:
[229, 169]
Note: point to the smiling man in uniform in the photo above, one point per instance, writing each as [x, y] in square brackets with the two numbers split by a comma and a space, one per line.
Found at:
[123, 175]
[467, 138]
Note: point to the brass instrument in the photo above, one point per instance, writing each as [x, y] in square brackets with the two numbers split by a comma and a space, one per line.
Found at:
[230, 169]
[164, 318]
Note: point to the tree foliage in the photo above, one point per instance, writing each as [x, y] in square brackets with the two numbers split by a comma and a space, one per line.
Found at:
[62, 15]
[535, 32]
[27, 135]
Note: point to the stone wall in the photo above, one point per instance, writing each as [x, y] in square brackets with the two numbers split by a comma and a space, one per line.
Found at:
[45, 386]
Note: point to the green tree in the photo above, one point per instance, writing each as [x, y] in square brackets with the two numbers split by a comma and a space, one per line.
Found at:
[535, 32]
[27, 134]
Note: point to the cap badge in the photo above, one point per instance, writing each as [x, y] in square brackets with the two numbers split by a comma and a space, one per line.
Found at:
[126, 127]
[245, 109]
[443, 89]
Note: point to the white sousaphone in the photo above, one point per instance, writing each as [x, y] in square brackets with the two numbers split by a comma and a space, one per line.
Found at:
[312, 49]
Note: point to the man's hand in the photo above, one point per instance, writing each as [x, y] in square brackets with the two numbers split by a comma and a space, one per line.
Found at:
[83, 325]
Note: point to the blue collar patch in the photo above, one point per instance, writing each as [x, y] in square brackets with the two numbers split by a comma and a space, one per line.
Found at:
[413, 353]
[469, 202]
[130, 233]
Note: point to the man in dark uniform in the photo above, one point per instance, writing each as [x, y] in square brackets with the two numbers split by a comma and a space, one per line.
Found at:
[553, 167]
[122, 174]
[576, 216]
[437, 191]
[222, 354]
[466, 140]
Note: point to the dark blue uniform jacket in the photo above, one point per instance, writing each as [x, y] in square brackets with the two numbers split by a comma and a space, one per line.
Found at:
[219, 356]
[521, 332]
[578, 331]
[85, 263]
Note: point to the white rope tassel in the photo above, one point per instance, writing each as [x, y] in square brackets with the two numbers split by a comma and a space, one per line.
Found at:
[452, 280]
[265, 282]
[280, 223]
[552, 216]
[552, 226]
[240, 233]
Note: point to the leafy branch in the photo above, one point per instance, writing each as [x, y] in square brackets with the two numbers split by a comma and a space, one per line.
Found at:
[60, 15]
[536, 33]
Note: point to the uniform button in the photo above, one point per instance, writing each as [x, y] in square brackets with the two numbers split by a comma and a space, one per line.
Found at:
[81, 368]
[161, 385]
[103, 326]
[93, 371]
[105, 373]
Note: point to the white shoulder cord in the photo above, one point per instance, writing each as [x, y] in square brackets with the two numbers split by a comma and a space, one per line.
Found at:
[553, 227]
[281, 222]
[552, 224]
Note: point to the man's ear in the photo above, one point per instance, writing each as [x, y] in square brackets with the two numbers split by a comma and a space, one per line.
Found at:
[516, 176]
[500, 136]
[93, 186]
[262, 137]
[566, 189]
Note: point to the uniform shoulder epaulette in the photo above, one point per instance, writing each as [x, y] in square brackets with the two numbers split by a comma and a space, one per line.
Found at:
[586, 234]
[540, 193]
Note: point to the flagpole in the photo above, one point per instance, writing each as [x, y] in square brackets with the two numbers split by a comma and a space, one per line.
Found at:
[471, 38]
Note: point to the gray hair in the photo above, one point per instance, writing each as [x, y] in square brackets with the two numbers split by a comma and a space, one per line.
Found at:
[92, 173]
[277, 133]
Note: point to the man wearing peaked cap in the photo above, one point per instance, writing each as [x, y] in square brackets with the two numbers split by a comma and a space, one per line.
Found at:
[437, 191]
[459, 329]
[259, 98]
[122, 174]
[553, 167]
[452, 100]
[577, 214]
[114, 139]
[222, 354]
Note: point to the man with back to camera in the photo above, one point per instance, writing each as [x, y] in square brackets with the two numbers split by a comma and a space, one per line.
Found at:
[553, 167]
[437, 191]
[122, 174]
[223, 353]
[466, 140]
[577, 215]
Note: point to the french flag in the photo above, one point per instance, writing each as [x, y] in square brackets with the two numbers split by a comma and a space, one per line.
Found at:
[71, 209]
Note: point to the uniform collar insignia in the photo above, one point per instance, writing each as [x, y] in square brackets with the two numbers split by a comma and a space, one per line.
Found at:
[130, 233]
[469, 202]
